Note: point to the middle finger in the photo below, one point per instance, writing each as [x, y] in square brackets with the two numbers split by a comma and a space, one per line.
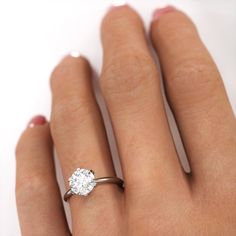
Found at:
[132, 92]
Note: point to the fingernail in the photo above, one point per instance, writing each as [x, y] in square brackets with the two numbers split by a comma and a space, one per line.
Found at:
[75, 54]
[37, 120]
[117, 3]
[162, 11]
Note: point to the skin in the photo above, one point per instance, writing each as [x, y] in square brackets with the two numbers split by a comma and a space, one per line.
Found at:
[159, 198]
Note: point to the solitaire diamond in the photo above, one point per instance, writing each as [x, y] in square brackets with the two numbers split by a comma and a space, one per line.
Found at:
[82, 182]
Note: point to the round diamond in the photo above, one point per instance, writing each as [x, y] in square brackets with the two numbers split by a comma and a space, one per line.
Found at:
[82, 182]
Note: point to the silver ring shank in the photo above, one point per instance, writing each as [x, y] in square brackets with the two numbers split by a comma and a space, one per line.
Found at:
[104, 180]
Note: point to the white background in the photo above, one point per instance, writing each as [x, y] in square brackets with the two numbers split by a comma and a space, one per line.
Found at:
[34, 35]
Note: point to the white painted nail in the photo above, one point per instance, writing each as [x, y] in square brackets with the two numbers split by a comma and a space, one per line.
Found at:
[75, 54]
[118, 3]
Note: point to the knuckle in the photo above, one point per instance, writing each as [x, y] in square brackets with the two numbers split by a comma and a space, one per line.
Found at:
[127, 74]
[193, 76]
[190, 71]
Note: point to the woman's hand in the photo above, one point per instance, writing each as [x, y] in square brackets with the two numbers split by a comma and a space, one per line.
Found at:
[159, 198]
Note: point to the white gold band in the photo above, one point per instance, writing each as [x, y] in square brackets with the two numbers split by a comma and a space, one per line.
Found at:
[82, 182]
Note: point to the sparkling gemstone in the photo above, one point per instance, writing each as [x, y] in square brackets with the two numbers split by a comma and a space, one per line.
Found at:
[82, 182]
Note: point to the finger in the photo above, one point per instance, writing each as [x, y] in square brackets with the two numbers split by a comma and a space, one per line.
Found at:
[197, 96]
[38, 197]
[132, 92]
[80, 140]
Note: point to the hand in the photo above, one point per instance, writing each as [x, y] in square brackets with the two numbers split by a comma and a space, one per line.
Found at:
[159, 197]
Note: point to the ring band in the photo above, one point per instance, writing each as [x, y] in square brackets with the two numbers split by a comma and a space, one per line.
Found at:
[83, 181]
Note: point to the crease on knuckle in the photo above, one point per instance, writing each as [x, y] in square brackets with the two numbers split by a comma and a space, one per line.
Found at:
[127, 74]
[193, 76]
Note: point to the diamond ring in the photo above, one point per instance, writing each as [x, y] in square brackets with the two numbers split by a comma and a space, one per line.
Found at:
[83, 181]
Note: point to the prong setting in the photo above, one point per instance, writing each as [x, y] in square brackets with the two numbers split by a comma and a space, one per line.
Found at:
[82, 182]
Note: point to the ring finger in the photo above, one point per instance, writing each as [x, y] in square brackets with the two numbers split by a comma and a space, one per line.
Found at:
[80, 140]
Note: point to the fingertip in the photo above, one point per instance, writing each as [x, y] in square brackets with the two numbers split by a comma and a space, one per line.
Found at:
[159, 12]
[119, 7]
[33, 137]
[118, 15]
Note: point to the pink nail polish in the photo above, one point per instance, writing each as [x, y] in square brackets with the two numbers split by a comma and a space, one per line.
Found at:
[162, 11]
[37, 120]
